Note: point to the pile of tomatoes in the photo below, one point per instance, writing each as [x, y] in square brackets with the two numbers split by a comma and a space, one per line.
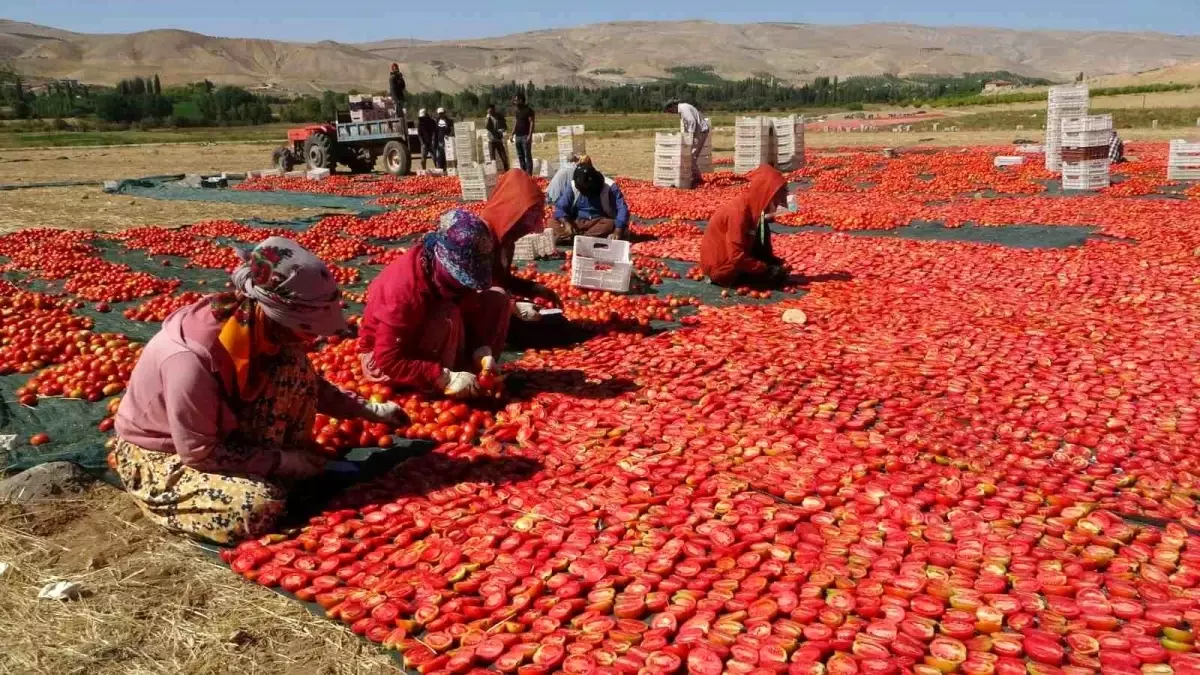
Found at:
[100, 368]
[160, 307]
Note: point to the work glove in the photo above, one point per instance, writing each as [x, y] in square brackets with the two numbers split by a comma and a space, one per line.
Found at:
[299, 465]
[461, 385]
[385, 413]
[483, 356]
[526, 311]
[546, 293]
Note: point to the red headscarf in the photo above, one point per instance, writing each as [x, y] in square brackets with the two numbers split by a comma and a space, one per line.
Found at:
[728, 239]
[515, 194]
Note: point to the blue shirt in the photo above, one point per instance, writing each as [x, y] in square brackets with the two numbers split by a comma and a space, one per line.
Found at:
[581, 207]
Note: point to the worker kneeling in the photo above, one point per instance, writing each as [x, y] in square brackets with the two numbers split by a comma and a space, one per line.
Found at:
[217, 421]
[593, 207]
[437, 316]
[736, 248]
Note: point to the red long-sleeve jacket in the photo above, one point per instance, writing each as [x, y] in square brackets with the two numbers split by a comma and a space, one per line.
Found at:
[725, 250]
[398, 301]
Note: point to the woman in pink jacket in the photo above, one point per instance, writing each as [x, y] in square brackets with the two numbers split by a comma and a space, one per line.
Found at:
[218, 416]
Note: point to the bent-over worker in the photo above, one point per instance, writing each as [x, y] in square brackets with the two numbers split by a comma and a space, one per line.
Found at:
[432, 320]
[218, 416]
[560, 182]
[514, 210]
[692, 122]
[593, 207]
[736, 248]
[1116, 148]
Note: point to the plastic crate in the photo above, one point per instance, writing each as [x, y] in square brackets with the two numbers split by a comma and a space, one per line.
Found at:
[601, 264]
[1074, 125]
[1085, 182]
[477, 181]
[534, 246]
[1008, 160]
[1086, 139]
[1031, 149]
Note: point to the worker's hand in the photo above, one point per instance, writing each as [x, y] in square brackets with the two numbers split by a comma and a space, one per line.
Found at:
[462, 385]
[526, 311]
[299, 465]
[617, 235]
[483, 356]
[386, 413]
[546, 293]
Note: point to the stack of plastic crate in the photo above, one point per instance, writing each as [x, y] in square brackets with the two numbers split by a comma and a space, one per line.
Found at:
[571, 142]
[477, 180]
[1084, 152]
[1067, 101]
[673, 160]
[1183, 162]
[466, 143]
[485, 147]
[534, 246]
[752, 143]
[789, 142]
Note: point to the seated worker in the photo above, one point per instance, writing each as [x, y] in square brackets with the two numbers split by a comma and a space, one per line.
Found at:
[561, 181]
[217, 419]
[736, 248]
[1116, 148]
[432, 320]
[594, 207]
[516, 209]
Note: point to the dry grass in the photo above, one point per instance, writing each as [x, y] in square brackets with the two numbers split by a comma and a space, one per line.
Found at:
[153, 604]
[89, 208]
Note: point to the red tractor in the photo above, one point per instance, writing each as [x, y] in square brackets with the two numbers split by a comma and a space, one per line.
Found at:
[354, 145]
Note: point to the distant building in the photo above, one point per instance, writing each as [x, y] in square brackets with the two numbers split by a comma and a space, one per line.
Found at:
[998, 87]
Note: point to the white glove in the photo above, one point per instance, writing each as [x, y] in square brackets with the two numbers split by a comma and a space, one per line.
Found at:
[385, 413]
[483, 356]
[299, 465]
[461, 385]
[526, 311]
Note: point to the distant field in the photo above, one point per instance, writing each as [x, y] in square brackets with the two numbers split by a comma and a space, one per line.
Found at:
[596, 124]
[1035, 120]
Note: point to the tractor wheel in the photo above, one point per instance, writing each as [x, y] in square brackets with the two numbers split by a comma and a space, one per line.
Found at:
[283, 159]
[361, 161]
[396, 159]
[318, 152]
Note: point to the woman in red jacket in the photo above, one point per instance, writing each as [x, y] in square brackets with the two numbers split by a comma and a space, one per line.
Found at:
[432, 319]
[736, 249]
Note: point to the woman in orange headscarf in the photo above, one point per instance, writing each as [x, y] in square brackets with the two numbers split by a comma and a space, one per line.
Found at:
[513, 211]
[736, 249]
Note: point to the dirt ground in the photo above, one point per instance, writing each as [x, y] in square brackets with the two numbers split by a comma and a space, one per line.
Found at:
[152, 603]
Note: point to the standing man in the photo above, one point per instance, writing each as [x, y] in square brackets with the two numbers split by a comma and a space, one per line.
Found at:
[396, 88]
[524, 124]
[445, 130]
[693, 123]
[427, 133]
[496, 126]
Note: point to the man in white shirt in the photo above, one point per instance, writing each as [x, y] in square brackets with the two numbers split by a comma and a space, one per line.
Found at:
[561, 182]
[692, 122]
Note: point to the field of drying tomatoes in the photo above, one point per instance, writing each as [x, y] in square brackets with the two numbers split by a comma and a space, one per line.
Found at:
[970, 458]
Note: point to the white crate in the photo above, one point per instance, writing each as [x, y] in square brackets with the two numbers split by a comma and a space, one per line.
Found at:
[673, 160]
[1087, 166]
[1085, 182]
[1008, 160]
[534, 246]
[1031, 149]
[601, 264]
[1075, 125]
[451, 154]
[789, 142]
[477, 181]
[467, 147]
[1085, 139]
[318, 174]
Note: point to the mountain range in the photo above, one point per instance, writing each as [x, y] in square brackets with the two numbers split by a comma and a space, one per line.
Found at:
[612, 53]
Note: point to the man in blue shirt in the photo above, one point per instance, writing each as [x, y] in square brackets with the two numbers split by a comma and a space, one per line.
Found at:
[593, 207]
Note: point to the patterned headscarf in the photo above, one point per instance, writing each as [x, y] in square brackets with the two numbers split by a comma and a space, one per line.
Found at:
[281, 282]
[463, 247]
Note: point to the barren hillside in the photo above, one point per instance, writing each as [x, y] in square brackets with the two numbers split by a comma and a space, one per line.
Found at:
[618, 52]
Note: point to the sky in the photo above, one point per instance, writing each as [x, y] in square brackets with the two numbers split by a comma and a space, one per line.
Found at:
[368, 20]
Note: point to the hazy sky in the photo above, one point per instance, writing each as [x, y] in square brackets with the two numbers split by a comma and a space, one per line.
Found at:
[365, 20]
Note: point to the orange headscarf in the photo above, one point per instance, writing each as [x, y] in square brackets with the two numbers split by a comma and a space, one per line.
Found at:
[725, 249]
[245, 337]
[516, 193]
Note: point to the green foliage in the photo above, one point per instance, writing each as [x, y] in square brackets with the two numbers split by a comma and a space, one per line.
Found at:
[703, 75]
